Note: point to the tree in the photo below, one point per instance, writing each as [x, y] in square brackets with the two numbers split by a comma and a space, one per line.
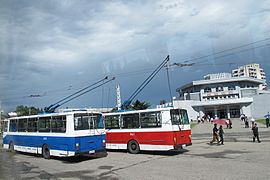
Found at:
[162, 101]
[139, 105]
[25, 110]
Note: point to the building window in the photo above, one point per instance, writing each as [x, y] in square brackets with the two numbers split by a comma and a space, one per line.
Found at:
[207, 89]
[231, 88]
[219, 88]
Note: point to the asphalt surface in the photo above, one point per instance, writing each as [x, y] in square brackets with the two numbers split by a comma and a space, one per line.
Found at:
[239, 158]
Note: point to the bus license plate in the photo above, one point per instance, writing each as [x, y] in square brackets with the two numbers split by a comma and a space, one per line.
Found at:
[92, 152]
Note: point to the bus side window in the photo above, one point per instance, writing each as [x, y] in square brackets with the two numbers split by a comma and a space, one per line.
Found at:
[32, 125]
[22, 125]
[150, 119]
[58, 124]
[91, 120]
[81, 121]
[13, 125]
[100, 122]
[131, 121]
[112, 122]
[44, 124]
[96, 121]
[176, 117]
[184, 117]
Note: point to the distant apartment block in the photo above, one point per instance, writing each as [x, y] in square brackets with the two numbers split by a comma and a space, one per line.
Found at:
[253, 71]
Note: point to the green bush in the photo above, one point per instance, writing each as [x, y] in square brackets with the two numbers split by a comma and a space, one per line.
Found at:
[261, 121]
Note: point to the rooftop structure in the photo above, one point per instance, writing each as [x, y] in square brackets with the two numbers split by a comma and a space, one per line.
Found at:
[218, 76]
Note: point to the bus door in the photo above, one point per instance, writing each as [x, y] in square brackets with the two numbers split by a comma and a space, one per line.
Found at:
[84, 123]
[96, 131]
[177, 126]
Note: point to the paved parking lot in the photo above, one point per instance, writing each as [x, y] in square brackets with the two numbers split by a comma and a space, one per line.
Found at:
[239, 158]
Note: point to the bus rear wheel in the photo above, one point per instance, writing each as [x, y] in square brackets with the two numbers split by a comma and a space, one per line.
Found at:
[11, 147]
[46, 152]
[133, 147]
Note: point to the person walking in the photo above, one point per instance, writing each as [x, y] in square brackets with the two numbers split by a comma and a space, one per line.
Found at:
[255, 133]
[215, 134]
[267, 122]
[230, 123]
[267, 116]
[221, 133]
[246, 123]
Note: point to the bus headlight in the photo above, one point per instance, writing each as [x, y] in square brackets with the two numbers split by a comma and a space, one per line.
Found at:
[77, 146]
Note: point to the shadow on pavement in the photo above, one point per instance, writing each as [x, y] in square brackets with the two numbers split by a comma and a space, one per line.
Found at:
[73, 159]
[81, 158]
[164, 153]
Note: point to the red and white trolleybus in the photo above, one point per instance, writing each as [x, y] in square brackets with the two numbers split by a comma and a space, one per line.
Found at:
[161, 129]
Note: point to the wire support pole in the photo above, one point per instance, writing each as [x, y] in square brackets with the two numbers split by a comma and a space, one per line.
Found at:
[168, 80]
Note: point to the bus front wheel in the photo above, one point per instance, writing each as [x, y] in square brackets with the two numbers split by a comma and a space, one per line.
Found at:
[46, 151]
[133, 147]
[11, 147]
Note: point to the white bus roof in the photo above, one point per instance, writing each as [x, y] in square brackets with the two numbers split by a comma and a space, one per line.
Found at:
[140, 111]
[53, 114]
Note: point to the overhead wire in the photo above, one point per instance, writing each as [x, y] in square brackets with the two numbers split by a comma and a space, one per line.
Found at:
[231, 49]
[197, 62]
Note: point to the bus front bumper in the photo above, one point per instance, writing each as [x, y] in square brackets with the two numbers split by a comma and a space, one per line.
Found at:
[92, 152]
[182, 146]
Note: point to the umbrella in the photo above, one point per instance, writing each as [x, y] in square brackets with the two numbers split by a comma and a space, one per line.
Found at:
[267, 115]
[220, 121]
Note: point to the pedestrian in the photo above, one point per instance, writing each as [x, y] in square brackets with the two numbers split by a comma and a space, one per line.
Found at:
[267, 122]
[267, 119]
[221, 133]
[215, 134]
[242, 117]
[198, 119]
[246, 123]
[230, 123]
[255, 133]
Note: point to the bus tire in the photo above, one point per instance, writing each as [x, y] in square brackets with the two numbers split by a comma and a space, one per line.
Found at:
[11, 146]
[133, 147]
[46, 152]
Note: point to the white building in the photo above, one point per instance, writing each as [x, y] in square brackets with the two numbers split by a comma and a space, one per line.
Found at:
[251, 70]
[224, 96]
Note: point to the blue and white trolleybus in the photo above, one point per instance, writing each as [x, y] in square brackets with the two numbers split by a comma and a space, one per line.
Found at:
[56, 134]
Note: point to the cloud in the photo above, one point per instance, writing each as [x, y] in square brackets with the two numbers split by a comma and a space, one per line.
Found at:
[53, 55]
[55, 42]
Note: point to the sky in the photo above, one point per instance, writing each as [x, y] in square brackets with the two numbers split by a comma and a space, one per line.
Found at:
[51, 49]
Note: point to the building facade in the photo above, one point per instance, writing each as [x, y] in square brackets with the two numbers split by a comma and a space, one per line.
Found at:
[223, 96]
[251, 70]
